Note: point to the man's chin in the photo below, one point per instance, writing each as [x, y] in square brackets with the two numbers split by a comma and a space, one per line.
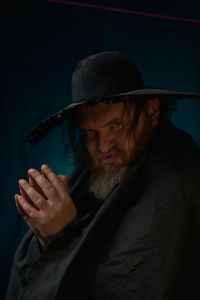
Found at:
[105, 167]
[104, 178]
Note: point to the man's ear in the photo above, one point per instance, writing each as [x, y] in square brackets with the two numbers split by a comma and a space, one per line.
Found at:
[153, 110]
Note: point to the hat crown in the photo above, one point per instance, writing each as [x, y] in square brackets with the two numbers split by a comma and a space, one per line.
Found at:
[104, 74]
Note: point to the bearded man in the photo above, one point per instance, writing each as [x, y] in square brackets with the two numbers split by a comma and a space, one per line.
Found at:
[126, 224]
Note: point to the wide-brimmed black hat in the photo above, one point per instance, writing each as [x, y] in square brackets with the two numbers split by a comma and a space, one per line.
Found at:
[108, 77]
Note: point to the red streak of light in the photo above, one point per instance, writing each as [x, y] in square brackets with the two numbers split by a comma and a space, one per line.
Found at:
[127, 11]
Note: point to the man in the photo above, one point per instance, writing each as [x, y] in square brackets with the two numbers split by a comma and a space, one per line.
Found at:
[126, 225]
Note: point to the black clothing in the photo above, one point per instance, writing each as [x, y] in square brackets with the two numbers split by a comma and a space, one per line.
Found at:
[141, 243]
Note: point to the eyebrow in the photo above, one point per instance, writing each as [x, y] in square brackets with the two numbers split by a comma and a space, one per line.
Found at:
[117, 119]
[112, 121]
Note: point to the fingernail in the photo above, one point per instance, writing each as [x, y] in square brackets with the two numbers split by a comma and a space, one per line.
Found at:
[45, 166]
[32, 171]
[22, 181]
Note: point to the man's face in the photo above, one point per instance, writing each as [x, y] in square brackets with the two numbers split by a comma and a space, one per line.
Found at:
[106, 130]
[113, 141]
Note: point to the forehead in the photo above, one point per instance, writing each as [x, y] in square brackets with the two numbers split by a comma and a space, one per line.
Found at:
[99, 115]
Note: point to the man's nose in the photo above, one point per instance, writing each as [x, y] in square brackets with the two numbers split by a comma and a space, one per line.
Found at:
[105, 143]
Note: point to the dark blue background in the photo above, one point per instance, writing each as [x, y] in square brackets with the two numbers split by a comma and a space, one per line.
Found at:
[40, 45]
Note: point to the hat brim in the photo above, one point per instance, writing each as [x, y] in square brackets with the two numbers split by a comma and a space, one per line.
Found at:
[58, 118]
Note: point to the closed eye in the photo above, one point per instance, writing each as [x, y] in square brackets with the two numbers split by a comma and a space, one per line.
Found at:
[116, 125]
[89, 132]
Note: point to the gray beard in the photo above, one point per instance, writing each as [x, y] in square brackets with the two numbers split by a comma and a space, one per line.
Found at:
[103, 181]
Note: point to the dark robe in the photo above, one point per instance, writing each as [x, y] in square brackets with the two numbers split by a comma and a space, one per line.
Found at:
[141, 243]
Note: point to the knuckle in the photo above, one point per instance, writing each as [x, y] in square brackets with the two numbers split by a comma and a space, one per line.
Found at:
[58, 180]
[51, 204]
[30, 213]
[47, 187]
[28, 190]
[36, 198]
[27, 209]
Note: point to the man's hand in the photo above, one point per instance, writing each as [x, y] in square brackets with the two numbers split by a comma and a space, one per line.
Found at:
[45, 203]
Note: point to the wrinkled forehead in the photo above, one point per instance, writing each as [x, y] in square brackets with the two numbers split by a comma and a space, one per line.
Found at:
[99, 114]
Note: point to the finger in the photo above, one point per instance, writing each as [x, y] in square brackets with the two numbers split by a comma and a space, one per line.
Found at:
[27, 209]
[24, 194]
[54, 180]
[45, 176]
[34, 184]
[27, 218]
[44, 184]
[19, 208]
[34, 196]
[64, 180]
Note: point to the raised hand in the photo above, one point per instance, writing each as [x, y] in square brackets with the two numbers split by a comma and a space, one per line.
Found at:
[45, 203]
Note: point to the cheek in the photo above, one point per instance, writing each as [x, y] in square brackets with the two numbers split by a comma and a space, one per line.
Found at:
[91, 146]
[123, 139]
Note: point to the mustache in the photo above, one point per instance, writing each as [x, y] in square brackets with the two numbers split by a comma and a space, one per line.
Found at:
[93, 163]
[113, 150]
